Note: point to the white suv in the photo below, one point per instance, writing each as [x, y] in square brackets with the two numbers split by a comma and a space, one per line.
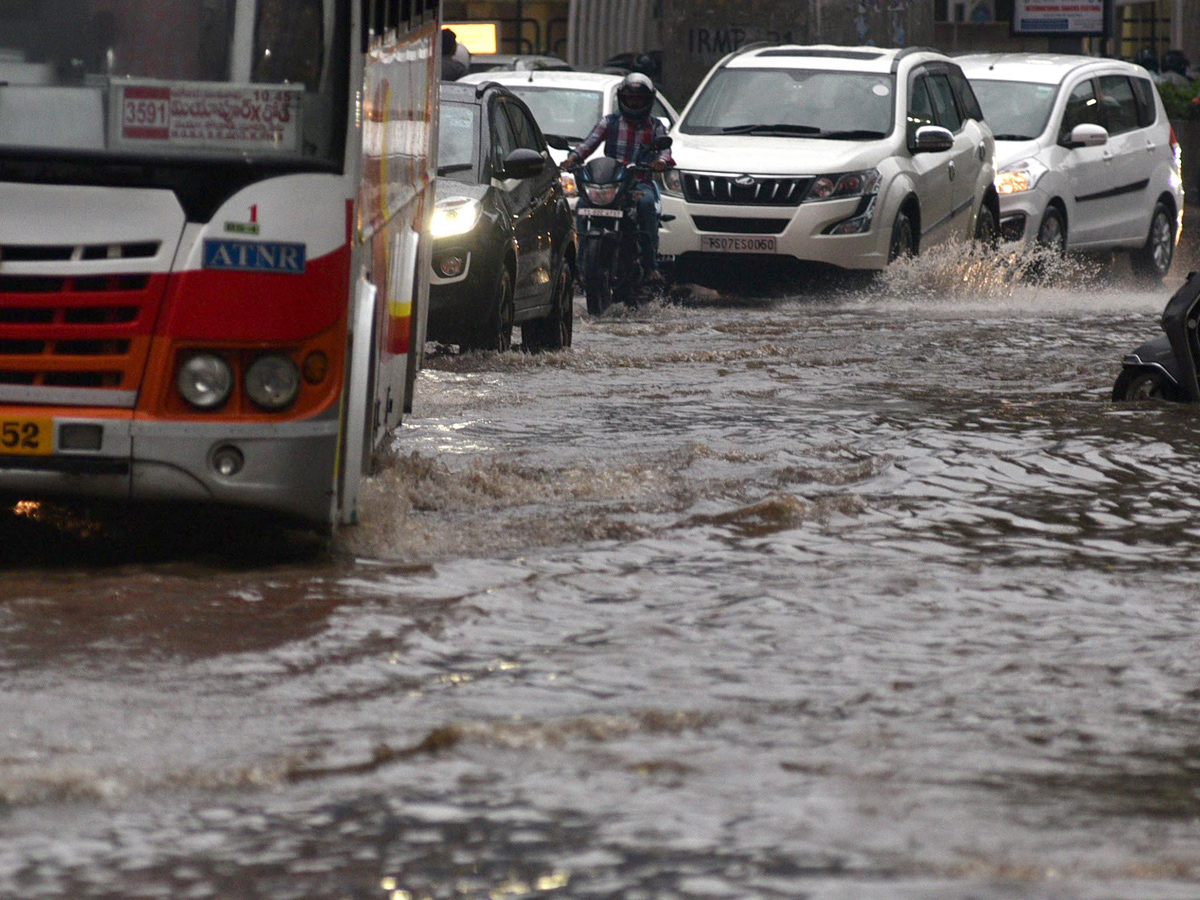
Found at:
[1087, 157]
[843, 155]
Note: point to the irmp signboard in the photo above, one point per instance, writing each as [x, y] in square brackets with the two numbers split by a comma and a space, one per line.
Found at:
[1060, 17]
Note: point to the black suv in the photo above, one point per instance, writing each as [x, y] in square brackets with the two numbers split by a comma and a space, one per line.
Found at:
[503, 234]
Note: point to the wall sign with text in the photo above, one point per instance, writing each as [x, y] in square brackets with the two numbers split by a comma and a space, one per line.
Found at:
[1053, 17]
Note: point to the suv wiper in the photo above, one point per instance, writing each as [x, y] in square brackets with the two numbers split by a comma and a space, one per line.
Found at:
[457, 167]
[780, 129]
[1013, 137]
[856, 134]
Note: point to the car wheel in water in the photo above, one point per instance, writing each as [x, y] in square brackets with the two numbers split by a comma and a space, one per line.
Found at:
[987, 232]
[1052, 232]
[904, 237]
[1153, 260]
[495, 331]
[554, 331]
[1141, 384]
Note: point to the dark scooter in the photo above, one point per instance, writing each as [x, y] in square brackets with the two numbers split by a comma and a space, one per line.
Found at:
[1165, 367]
[609, 252]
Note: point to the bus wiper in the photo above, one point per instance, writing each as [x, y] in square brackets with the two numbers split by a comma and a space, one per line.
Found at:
[856, 134]
[457, 167]
[779, 129]
[1013, 137]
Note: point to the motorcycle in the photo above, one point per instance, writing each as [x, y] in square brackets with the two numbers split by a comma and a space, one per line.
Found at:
[1165, 367]
[607, 225]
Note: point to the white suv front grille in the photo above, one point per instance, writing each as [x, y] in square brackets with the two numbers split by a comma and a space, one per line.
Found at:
[744, 190]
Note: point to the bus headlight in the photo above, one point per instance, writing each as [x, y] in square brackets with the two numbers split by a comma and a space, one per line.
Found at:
[454, 215]
[272, 382]
[205, 380]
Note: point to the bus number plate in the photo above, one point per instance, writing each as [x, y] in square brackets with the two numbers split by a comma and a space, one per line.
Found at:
[26, 437]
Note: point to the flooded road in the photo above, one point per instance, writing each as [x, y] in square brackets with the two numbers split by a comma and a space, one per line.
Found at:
[829, 595]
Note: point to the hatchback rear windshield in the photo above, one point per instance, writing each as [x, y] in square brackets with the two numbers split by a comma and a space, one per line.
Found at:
[794, 103]
[562, 111]
[1014, 110]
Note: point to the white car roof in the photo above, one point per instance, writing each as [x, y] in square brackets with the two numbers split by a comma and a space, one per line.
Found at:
[1037, 68]
[597, 81]
[817, 56]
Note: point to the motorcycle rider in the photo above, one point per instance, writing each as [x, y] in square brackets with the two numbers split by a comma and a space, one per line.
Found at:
[625, 135]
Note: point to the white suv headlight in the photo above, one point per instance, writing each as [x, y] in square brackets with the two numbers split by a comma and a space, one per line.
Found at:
[453, 216]
[846, 184]
[1020, 176]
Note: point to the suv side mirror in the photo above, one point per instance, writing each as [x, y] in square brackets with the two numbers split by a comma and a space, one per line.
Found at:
[932, 139]
[1086, 135]
[522, 163]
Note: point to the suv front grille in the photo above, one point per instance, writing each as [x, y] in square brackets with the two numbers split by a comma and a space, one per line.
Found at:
[700, 187]
[732, 225]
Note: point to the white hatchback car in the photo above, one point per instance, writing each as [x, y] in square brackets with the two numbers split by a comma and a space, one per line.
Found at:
[568, 105]
[843, 155]
[1086, 156]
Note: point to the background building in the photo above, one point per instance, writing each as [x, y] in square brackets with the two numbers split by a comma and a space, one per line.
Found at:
[688, 36]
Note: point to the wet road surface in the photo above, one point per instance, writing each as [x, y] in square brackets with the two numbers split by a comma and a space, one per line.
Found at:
[867, 594]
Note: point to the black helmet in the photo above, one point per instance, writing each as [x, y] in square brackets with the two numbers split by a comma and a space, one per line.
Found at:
[1147, 59]
[635, 96]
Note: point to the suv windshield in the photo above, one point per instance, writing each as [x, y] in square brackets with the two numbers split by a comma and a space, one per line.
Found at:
[563, 111]
[1015, 110]
[794, 103]
[175, 81]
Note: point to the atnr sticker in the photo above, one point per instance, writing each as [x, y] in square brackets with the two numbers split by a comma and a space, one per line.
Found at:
[255, 256]
[188, 115]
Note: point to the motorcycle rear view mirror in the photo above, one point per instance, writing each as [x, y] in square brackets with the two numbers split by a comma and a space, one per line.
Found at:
[557, 141]
[662, 142]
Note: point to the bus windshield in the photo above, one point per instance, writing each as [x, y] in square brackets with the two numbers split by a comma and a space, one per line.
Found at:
[183, 81]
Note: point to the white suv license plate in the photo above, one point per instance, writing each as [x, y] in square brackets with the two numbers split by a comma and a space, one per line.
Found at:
[598, 211]
[717, 244]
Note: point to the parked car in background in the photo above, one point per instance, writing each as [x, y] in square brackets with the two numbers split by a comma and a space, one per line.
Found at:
[516, 62]
[850, 156]
[567, 106]
[1086, 157]
[503, 234]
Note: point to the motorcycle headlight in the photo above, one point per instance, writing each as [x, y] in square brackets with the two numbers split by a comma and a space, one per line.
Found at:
[1020, 176]
[672, 182]
[570, 188]
[601, 194]
[454, 215]
[845, 184]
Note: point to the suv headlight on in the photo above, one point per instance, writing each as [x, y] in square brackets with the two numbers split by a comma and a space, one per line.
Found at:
[671, 182]
[1020, 176]
[864, 185]
[453, 216]
[847, 184]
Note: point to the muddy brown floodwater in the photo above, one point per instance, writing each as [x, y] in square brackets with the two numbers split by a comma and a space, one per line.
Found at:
[867, 593]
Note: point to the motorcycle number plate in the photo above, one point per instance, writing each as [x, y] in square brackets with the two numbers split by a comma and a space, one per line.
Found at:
[597, 211]
[720, 244]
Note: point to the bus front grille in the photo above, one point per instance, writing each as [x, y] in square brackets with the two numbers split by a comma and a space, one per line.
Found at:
[75, 340]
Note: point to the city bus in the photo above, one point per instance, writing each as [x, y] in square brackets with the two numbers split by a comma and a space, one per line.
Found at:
[213, 281]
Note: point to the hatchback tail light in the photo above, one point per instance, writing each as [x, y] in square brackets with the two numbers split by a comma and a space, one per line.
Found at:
[1176, 152]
